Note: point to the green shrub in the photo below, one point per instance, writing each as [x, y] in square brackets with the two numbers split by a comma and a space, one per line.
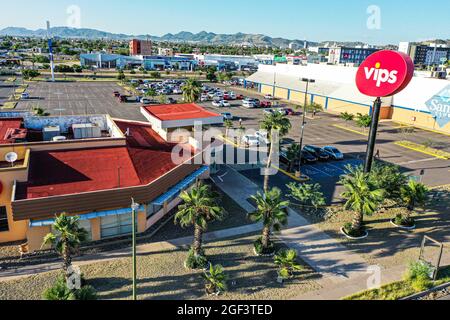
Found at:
[421, 284]
[196, 262]
[60, 291]
[419, 270]
[215, 279]
[400, 220]
[348, 228]
[259, 247]
[286, 260]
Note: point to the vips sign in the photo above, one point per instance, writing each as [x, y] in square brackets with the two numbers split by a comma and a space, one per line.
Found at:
[384, 73]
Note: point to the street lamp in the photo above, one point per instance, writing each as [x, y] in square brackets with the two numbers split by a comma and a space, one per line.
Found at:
[134, 208]
[307, 81]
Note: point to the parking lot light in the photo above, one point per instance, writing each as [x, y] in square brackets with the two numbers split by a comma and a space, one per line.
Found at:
[302, 133]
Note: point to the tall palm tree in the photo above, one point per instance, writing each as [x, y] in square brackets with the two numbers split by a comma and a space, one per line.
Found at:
[272, 123]
[271, 210]
[66, 239]
[191, 90]
[362, 196]
[412, 194]
[292, 154]
[199, 207]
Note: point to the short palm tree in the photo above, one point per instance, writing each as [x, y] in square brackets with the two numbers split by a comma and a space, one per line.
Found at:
[292, 154]
[199, 207]
[286, 260]
[215, 279]
[307, 194]
[191, 90]
[271, 210]
[151, 93]
[361, 195]
[228, 125]
[66, 239]
[413, 194]
[274, 123]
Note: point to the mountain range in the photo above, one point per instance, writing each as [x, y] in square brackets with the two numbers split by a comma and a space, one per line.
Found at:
[184, 36]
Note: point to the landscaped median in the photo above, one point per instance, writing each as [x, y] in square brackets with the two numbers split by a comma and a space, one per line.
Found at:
[9, 105]
[424, 149]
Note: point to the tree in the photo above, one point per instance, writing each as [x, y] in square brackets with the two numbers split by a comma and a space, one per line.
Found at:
[292, 155]
[66, 239]
[389, 178]
[286, 260]
[362, 197]
[151, 93]
[314, 108]
[121, 76]
[28, 74]
[413, 194]
[307, 194]
[363, 120]
[155, 74]
[271, 210]
[192, 90]
[228, 125]
[163, 99]
[211, 74]
[215, 279]
[199, 207]
[274, 123]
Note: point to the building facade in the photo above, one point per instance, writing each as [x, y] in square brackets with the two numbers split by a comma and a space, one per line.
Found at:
[347, 55]
[140, 47]
[425, 55]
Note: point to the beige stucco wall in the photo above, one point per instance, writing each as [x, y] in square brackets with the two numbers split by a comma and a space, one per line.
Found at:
[338, 106]
[423, 120]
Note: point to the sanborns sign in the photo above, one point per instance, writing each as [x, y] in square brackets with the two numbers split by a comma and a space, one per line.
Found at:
[384, 73]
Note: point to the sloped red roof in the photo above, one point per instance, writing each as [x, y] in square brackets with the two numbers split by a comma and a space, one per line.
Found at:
[6, 124]
[179, 112]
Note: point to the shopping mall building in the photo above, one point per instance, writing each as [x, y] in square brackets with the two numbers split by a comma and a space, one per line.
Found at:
[425, 103]
[92, 167]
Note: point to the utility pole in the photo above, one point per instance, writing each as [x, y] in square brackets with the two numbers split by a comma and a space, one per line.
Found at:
[302, 133]
[372, 135]
[50, 52]
[134, 208]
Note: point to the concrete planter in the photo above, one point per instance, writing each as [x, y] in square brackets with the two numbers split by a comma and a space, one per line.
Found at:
[402, 227]
[354, 238]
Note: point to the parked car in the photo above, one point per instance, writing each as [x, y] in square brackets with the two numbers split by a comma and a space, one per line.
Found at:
[204, 98]
[268, 97]
[308, 158]
[250, 141]
[318, 152]
[239, 97]
[265, 104]
[334, 153]
[225, 104]
[248, 104]
[146, 101]
[269, 111]
[171, 100]
[177, 91]
[227, 116]
[116, 94]
[25, 95]
[217, 103]
[290, 112]
[263, 137]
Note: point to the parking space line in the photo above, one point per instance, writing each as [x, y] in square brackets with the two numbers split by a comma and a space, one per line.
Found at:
[350, 130]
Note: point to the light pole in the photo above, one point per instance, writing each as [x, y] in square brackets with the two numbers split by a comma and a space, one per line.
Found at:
[302, 134]
[372, 135]
[134, 208]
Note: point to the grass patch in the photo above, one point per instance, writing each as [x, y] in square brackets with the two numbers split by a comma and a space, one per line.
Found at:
[161, 275]
[398, 290]
[424, 149]
[9, 105]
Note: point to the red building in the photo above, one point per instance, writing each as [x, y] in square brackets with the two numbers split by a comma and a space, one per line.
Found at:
[140, 47]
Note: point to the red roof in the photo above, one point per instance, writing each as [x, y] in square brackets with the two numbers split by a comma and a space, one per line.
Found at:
[54, 173]
[179, 112]
[6, 124]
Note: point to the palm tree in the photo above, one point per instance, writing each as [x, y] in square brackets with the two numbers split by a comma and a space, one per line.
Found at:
[199, 207]
[228, 125]
[292, 154]
[412, 194]
[191, 90]
[66, 239]
[307, 194]
[286, 260]
[271, 210]
[362, 196]
[215, 279]
[272, 123]
[151, 93]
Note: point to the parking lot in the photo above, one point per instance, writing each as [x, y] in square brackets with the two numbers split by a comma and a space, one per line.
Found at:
[6, 90]
[72, 98]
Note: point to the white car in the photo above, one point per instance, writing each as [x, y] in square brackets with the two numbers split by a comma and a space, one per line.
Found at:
[204, 98]
[177, 91]
[248, 104]
[225, 104]
[217, 103]
[145, 101]
[268, 97]
[250, 141]
[25, 95]
[227, 116]
[263, 137]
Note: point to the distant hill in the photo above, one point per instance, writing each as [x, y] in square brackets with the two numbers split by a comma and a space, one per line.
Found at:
[184, 36]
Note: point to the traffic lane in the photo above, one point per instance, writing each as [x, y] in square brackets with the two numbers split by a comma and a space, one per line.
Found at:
[6, 90]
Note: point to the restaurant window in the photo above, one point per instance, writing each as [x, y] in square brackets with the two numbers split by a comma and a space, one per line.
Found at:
[152, 209]
[86, 225]
[116, 225]
[3, 219]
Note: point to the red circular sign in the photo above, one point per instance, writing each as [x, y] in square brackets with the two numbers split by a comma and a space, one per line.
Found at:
[384, 73]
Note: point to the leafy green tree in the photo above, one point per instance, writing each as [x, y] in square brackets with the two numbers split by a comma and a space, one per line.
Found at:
[192, 90]
[29, 74]
[413, 194]
[199, 207]
[66, 238]
[216, 279]
[307, 194]
[286, 260]
[271, 211]
[274, 123]
[389, 178]
[314, 108]
[362, 197]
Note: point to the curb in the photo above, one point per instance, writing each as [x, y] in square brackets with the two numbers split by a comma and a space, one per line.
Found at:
[426, 293]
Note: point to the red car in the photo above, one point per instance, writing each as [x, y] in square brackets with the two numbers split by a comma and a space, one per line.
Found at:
[290, 112]
[240, 97]
[265, 104]
[116, 94]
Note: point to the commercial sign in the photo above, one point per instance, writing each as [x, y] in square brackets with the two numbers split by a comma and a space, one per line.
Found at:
[384, 73]
[439, 106]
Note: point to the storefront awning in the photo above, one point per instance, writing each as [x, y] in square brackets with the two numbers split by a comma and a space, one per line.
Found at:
[179, 187]
[87, 216]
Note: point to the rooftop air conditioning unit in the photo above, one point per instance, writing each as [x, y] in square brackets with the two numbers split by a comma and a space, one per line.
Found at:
[50, 132]
[86, 131]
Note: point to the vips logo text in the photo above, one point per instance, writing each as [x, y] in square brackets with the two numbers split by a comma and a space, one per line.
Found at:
[384, 73]
[381, 75]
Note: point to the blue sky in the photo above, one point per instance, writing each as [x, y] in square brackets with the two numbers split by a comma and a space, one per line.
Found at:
[401, 20]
